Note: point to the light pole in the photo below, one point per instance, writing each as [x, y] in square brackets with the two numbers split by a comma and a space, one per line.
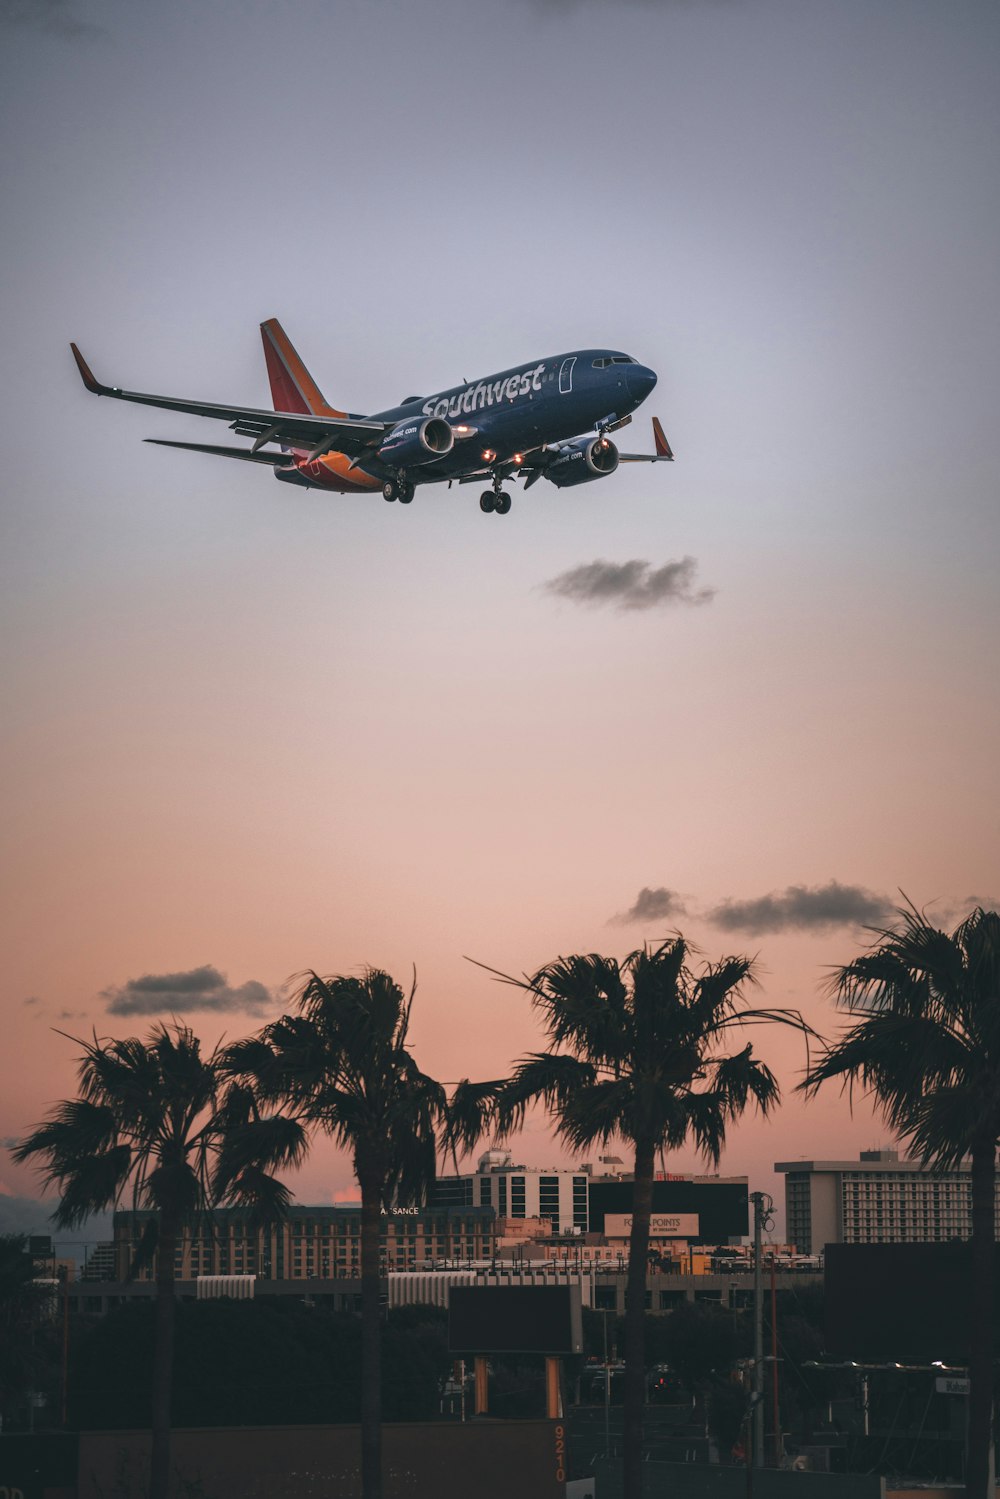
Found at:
[762, 1205]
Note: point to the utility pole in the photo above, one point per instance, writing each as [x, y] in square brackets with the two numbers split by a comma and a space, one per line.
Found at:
[757, 1426]
[762, 1205]
[607, 1392]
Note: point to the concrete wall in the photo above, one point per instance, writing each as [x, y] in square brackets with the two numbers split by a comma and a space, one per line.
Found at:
[488, 1459]
[706, 1481]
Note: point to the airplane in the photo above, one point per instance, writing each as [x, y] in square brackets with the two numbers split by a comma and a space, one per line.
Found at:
[525, 421]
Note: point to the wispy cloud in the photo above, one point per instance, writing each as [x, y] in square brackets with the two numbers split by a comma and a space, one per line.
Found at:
[951, 910]
[803, 908]
[630, 585]
[202, 988]
[54, 17]
[660, 904]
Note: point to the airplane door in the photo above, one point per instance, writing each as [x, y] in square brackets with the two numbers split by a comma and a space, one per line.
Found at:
[566, 375]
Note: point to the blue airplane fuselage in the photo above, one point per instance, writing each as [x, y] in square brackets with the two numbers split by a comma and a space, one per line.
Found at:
[547, 401]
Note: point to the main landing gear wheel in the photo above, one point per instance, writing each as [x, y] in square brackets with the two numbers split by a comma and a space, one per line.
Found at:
[487, 501]
[502, 502]
[405, 493]
[390, 490]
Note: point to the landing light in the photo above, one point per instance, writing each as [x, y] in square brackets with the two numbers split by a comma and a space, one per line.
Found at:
[518, 457]
[488, 455]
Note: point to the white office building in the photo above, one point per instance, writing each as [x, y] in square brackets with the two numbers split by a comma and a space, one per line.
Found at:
[877, 1199]
[512, 1191]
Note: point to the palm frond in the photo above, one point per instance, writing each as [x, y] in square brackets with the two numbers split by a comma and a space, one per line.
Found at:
[544, 1076]
[94, 1184]
[928, 1045]
[469, 1115]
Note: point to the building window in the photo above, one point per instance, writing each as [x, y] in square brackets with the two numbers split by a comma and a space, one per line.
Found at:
[548, 1199]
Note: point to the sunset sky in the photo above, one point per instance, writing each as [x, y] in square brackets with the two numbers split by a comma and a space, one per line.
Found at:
[251, 729]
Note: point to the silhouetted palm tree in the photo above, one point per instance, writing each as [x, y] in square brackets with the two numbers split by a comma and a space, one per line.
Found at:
[158, 1126]
[635, 1055]
[928, 1051]
[342, 1063]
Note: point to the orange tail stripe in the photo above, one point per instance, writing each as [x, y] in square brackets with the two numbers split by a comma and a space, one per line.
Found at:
[659, 440]
[292, 386]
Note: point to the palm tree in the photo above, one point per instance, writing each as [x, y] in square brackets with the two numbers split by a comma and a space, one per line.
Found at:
[634, 1054]
[342, 1063]
[157, 1125]
[927, 1049]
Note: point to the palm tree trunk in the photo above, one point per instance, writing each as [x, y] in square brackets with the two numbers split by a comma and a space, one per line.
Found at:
[371, 1350]
[163, 1360]
[979, 1459]
[635, 1308]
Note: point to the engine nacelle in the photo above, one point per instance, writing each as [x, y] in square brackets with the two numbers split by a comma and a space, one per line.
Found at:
[418, 439]
[579, 462]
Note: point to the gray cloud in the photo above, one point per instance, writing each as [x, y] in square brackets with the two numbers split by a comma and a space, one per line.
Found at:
[950, 911]
[651, 905]
[630, 585]
[54, 17]
[202, 988]
[804, 909]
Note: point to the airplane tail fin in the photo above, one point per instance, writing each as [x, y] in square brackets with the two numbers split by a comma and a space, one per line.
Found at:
[292, 386]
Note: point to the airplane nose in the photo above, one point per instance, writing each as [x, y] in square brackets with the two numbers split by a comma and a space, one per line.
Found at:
[640, 381]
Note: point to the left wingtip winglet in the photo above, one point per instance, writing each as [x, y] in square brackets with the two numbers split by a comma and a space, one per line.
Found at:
[87, 374]
[663, 448]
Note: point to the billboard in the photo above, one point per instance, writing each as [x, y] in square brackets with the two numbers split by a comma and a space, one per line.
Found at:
[721, 1207]
[661, 1225]
[515, 1319]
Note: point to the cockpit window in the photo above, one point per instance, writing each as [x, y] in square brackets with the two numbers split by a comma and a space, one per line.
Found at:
[600, 363]
[622, 359]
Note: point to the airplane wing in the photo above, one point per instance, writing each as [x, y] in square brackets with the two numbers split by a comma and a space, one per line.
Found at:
[535, 463]
[320, 434]
[663, 454]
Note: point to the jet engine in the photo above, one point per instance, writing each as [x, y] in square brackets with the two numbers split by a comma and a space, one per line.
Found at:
[579, 462]
[416, 441]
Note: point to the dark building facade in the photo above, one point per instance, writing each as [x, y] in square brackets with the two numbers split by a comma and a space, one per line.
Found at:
[720, 1205]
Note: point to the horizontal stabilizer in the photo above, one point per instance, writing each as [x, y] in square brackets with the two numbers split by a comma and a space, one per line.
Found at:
[276, 460]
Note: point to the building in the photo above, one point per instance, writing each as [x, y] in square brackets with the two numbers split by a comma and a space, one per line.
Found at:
[101, 1262]
[555, 1194]
[709, 1209]
[314, 1242]
[877, 1199]
[696, 1209]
